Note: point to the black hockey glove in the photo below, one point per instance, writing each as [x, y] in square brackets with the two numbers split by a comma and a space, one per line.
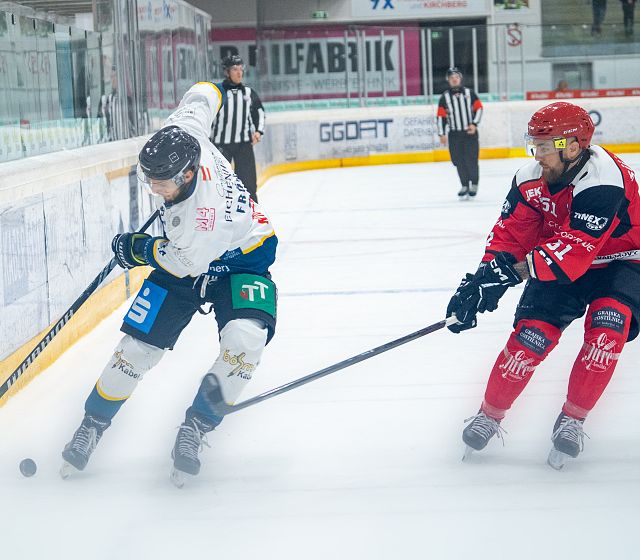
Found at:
[128, 249]
[464, 304]
[494, 278]
[482, 291]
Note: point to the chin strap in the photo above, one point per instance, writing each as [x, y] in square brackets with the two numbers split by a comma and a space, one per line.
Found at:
[569, 162]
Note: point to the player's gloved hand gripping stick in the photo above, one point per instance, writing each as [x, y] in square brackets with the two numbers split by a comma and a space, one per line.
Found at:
[57, 327]
[221, 408]
[481, 291]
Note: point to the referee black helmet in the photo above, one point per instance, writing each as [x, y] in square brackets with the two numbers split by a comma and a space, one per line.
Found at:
[453, 70]
[232, 60]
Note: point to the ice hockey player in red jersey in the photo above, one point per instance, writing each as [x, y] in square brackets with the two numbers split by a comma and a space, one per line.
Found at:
[570, 226]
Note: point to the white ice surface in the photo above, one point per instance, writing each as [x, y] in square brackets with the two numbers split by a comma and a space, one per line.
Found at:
[363, 464]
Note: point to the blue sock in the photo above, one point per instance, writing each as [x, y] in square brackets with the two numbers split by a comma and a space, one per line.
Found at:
[97, 405]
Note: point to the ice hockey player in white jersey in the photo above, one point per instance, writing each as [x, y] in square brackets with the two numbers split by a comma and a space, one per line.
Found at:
[216, 248]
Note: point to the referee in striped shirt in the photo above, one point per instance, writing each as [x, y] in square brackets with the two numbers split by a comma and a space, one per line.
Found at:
[459, 114]
[239, 124]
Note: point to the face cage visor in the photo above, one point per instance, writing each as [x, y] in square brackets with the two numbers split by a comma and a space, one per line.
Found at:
[544, 147]
[146, 181]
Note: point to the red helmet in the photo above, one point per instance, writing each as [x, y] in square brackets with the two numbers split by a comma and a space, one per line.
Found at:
[562, 120]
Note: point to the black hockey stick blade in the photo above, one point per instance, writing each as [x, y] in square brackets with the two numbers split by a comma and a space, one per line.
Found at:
[221, 408]
[60, 323]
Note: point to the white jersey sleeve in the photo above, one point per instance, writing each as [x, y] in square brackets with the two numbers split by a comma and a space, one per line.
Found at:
[215, 220]
[198, 109]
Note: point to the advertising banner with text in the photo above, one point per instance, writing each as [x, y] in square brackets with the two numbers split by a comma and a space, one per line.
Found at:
[332, 62]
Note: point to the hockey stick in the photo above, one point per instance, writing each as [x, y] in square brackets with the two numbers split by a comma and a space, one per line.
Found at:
[57, 327]
[221, 408]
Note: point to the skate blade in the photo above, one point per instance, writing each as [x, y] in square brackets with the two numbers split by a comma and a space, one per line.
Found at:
[178, 478]
[66, 470]
[557, 459]
[468, 451]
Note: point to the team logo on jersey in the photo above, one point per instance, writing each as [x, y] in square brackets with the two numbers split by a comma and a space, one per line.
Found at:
[506, 207]
[594, 223]
[205, 219]
[600, 353]
[175, 222]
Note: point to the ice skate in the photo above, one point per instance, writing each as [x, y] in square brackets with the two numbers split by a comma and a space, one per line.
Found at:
[568, 441]
[473, 190]
[77, 452]
[478, 433]
[463, 192]
[190, 440]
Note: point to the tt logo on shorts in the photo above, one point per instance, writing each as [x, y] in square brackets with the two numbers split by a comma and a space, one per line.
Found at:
[248, 290]
[140, 308]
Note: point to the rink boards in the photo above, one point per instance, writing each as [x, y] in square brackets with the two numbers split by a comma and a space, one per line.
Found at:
[59, 212]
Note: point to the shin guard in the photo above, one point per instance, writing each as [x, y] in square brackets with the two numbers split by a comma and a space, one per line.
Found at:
[606, 328]
[241, 344]
[529, 344]
[130, 361]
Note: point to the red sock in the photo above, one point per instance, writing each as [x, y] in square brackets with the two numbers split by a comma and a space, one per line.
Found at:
[529, 344]
[606, 328]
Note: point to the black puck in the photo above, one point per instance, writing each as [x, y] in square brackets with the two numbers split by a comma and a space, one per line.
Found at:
[28, 467]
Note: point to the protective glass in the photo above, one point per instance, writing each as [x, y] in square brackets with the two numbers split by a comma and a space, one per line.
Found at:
[161, 188]
[543, 147]
[142, 178]
[177, 181]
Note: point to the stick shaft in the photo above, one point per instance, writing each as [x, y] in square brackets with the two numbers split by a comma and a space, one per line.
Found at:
[228, 409]
[60, 323]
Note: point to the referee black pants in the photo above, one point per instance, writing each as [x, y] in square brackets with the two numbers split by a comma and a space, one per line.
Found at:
[464, 149]
[241, 155]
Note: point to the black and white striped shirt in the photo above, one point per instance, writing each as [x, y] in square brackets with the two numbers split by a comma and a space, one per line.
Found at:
[457, 109]
[240, 117]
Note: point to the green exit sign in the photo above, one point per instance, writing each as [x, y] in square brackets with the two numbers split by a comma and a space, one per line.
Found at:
[320, 14]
